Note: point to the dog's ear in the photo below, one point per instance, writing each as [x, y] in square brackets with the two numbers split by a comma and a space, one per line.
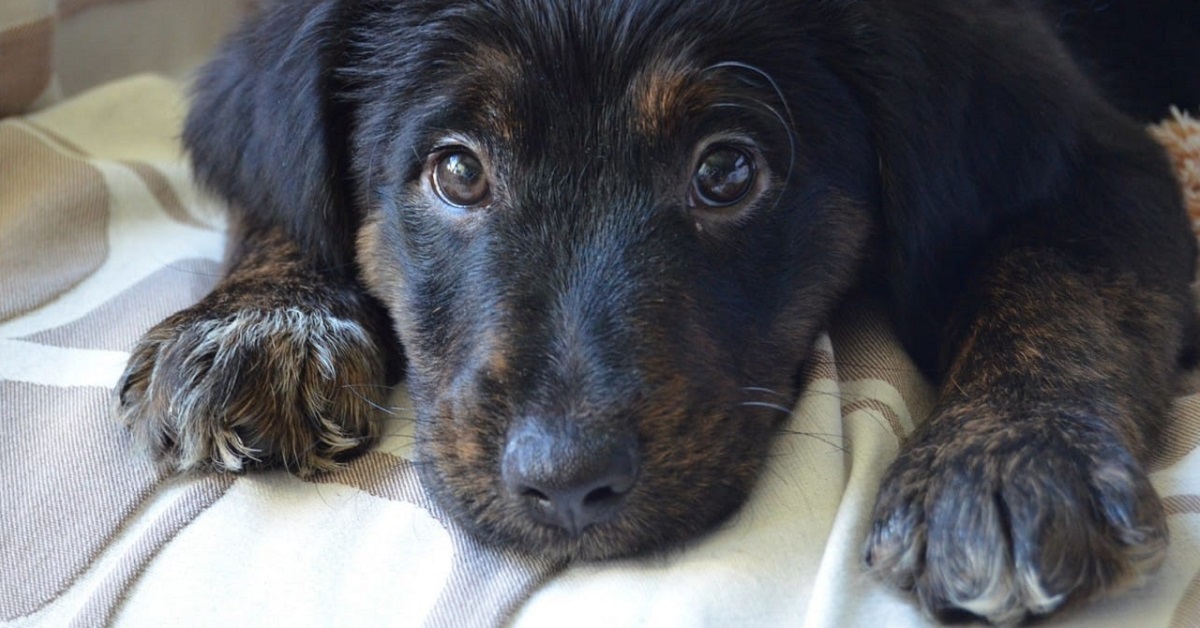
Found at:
[975, 121]
[266, 131]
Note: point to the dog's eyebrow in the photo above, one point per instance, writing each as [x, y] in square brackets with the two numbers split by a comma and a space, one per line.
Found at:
[663, 88]
[499, 69]
[496, 62]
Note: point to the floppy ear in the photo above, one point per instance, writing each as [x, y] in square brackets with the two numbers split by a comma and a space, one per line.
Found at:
[982, 122]
[266, 133]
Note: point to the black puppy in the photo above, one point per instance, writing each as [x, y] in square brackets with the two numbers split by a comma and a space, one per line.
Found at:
[600, 228]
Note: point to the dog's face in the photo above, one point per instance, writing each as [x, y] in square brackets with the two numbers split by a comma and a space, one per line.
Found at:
[608, 234]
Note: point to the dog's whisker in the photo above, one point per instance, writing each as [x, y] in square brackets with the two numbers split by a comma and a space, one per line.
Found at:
[385, 410]
[763, 404]
[368, 386]
[828, 439]
[788, 121]
[768, 391]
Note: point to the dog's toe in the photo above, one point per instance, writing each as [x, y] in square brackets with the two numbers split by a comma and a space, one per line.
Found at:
[997, 525]
[253, 387]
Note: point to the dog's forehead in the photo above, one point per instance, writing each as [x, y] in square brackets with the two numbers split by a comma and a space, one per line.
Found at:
[571, 68]
[645, 93]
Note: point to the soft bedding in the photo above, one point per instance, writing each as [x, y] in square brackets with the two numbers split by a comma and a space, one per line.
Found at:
[102, 234]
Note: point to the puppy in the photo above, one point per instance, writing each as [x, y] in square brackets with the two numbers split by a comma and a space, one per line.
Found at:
[595, 236]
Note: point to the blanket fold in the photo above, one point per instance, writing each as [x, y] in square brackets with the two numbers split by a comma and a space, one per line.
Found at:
[102, 235]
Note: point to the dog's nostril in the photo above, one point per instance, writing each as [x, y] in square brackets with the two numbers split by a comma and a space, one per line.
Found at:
[599, 496]
[569, 483]
[537, 496]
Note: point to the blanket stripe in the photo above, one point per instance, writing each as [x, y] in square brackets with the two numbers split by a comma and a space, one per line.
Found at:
[101, 235]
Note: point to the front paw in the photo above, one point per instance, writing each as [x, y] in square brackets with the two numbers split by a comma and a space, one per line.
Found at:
[1007, 519]
[227, 388]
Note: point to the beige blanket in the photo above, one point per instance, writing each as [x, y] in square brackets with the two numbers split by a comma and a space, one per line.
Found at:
[101, 234]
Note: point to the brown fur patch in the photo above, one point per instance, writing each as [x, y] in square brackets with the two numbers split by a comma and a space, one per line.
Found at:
[663, 91]
[1025, 491]
[279, 365]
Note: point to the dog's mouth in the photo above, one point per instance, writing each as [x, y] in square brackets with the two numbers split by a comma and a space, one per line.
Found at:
[576, 491]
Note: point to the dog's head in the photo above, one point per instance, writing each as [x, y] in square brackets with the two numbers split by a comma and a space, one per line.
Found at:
[608, 231]
[608, 234]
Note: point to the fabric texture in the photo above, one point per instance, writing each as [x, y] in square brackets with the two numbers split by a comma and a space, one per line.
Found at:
[52, 49]
[102, 234]
[1181, 135]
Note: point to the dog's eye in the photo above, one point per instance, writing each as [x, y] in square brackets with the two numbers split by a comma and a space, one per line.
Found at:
[460, 180]
[724, 176]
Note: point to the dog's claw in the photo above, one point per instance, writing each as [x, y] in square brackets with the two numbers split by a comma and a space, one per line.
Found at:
[252, 388]
[1062, 518]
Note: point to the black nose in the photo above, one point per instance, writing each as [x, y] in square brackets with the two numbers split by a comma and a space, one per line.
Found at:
[566, 478]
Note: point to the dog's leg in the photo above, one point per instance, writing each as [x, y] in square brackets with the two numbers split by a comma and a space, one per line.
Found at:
[1024, 490]
[282, 364]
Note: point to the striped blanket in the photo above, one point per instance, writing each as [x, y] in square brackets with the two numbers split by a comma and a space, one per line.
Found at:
[102, 234]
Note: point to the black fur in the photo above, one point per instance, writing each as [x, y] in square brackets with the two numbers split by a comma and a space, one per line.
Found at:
[594, 333]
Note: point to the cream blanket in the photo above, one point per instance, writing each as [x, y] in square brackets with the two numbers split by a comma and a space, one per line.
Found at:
[102, 234]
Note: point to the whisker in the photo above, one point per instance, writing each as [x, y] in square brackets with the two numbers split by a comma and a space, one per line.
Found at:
[389, 411]
[765, 390]
[763, 404]
[787, 121]
[823, 438]
[177, 267]
[840, 395]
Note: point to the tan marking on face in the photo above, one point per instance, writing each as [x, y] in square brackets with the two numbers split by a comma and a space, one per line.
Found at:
[661, 93]
[377, 270]
[655, 100]
[499, 70]
[497, 362]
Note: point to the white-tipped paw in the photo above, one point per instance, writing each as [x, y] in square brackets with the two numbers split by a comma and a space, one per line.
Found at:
[290, 387]
[1010, 524]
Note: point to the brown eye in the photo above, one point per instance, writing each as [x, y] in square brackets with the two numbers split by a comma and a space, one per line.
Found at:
[724, 176]
[460, 180]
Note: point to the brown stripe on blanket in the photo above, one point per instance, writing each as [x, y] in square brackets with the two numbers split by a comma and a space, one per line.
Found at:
[865, 345]
[60, 142]
[867, 349]
[1181, 435]
[101, 607]
[486, 585]
[54, 213]
[78, 485]
[154, 180]
[1182, 505]
[117, 324]
[160, 186]
[28, 54]
[70, 8]
[888, 413]
[820, 365]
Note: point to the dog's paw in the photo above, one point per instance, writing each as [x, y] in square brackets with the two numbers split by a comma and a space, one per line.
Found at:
[1009, 519]
[233, 388]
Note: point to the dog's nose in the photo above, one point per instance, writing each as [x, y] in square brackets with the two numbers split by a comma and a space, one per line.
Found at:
[568, 479]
